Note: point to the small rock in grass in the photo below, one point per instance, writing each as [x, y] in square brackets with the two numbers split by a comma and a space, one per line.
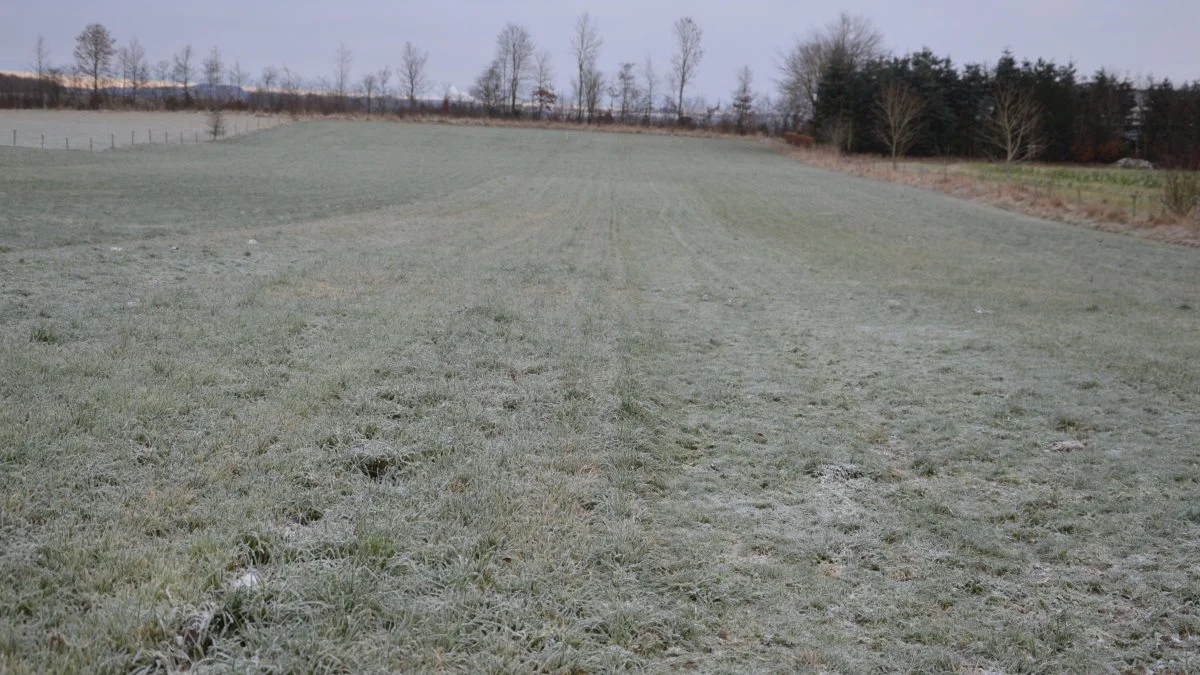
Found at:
[1131, 163]
[1068, 446]
[252, 242]
[760, 437]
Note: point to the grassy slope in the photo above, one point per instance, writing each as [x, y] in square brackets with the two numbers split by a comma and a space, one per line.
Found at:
[496, 399]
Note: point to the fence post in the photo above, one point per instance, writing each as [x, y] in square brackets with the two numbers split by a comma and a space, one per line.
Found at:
[14, 138]
[196, 139]
[1135, 196]
[68, 142]
[150, 136]
[91, 145]
[114, 142]
[181, 138]
[132, 140]
[43, 141]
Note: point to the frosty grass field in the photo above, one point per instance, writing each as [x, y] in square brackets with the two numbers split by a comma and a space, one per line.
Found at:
[347, 397]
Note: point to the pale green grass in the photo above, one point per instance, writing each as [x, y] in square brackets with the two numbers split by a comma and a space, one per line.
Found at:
[100, 130]
[492, 400]
[1122, 189]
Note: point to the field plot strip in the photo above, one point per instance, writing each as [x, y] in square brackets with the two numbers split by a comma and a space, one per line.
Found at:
[509, 400]
[97, 131]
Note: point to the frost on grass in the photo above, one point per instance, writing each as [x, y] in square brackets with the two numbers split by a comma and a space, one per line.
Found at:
[444, 423]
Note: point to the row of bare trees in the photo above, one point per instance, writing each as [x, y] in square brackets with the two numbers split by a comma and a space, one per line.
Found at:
[103, 73]
[519, 80]
[836, 83]
[518, 69]
[521, 77]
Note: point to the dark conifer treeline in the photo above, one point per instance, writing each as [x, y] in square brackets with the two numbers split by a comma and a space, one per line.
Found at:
[1100, 118]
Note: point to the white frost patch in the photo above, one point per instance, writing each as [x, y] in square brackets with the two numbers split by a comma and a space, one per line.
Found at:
[248, 580]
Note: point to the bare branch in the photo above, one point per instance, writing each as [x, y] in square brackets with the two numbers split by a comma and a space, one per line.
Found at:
[688, 53]
[413, 76]
[183, 72]
[342, 61]
[94, 50]
[898, 115]
[851, 38]
[585, 44]
[515, 49]
[1014, 125]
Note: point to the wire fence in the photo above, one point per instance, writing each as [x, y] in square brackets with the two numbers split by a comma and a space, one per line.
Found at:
[56, 137]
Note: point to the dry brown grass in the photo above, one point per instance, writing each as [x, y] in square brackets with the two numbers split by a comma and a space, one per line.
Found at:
[527, 123]
[1022, 198]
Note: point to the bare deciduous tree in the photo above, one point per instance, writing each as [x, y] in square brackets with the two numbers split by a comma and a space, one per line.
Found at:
[593, 91]
[343, 59]
[585, 44]
[516, 48]
[41, 57]
[1014, 123]
[413, 75]
[267, 84]
[384, 78]
[94, 50]
[213, 68]
[650, 82]
[839, 131]
[134, 67]
[289, 82]
[370, 83]
[688, 53]
[41, 67]
[489, 87]
[237, 78]
[851, 38]
[626, 89]
[898, 117]
[162, 76]
[543, 75]
[183, 72]
[743, 99]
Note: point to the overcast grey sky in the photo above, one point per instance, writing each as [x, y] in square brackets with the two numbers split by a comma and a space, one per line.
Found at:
[1140, 37]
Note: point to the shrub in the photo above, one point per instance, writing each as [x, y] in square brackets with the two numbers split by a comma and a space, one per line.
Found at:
[798, 140]
[1181, 191]
[216, 123]
[45, 334]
